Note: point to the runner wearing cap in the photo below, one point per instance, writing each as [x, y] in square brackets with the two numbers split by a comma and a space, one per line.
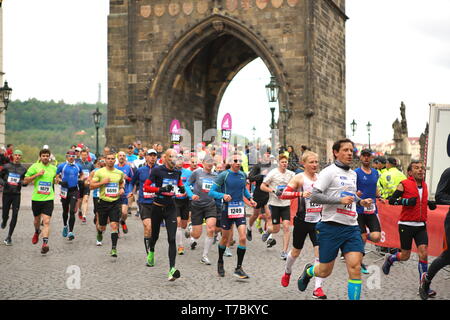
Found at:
[11, 178]
[146, 198]
[366, 183]
[390, 179]
[123, 166]
[43, 174]
[68, 175]
[380, 164]
[83, 195]
[130, 154]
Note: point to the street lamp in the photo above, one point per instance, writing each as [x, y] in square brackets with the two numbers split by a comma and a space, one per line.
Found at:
[272, 94]
[368, 130]
[97, 116]
[254, 135]
[5, 94]
[353, 126]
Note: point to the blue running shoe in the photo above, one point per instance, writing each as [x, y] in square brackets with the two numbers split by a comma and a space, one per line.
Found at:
[303, 280]
[71, 236]
[364, 269]
[65, 231]
[387, 264]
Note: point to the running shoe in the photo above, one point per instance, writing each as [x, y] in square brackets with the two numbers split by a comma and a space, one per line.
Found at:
[239, 273]
[260, 230]
[114, 253]
[35, 238]
[258, 224]
[174, 274]
[4, 224]
[99, 243]
[44, 248]
[83, 221]
[99, 237]
[364, 269]
[71, 236]
[124, 227]
[80, 215]
[187, 232]
[285, 279]
[151, 259]
[283, 255]
[265, 236]
[303, 280]
[8, 241]
[205, 260]
[180, 251]
[65, 231]
[271, 242]
[193, 245]
[220, 269]
[387, 264]
[227, 252]
[318, 294]
[424, 287]
[249, 235]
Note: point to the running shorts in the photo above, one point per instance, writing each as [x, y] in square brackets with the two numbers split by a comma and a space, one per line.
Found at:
[335, 236]
[226, 223]
[200, 213]
[280, 214]
[301, 230]
[183, 207]
[146, 211]
[369, 220]
[42, 207]
[261, 202]
[83, 189]
[111, 210]
[408, 233]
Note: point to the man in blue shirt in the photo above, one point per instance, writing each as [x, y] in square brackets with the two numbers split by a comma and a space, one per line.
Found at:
[83, 195]
[67, 174]
[366, 184]
[230, 186]
[123, 166]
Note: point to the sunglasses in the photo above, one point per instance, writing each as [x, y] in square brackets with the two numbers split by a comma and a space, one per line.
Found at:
[237, 161]
[102, 161]
[71, 156]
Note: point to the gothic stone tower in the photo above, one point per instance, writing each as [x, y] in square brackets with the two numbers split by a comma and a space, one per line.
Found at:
[175, 58]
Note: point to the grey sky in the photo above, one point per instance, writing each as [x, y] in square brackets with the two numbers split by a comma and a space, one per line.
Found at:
[397, 50]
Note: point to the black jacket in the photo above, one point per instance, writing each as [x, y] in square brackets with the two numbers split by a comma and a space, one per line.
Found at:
[16, 174]
[443, 188]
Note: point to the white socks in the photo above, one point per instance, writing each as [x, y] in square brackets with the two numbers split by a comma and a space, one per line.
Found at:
[208, 244]
[319, 281]
[289, 262]
[179, 237]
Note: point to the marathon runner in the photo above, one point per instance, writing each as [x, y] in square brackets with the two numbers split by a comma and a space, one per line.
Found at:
[366, 184]
[412, 195]
[336, 190]
[442, 197]
[146, 199]
[43, 174]
[123, 166]
[11, 178]
[99, 163]
[111, 182]
[275, 182]
[306, 219]
[87, 166]
[68, 174]
[167, 182]
[203, 206]
[233, 184]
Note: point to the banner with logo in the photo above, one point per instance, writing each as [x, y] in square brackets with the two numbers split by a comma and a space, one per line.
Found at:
[175, 134]
[226, 134]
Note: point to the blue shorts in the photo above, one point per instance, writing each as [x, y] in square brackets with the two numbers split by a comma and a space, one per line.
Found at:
[226, 223]
[124, 200]
[334, 237]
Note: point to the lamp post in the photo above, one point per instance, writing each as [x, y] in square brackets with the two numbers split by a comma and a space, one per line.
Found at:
[353, 126]
[368, 131]
[254, 135]
[97, 116]
[272, 94]
[5, 94]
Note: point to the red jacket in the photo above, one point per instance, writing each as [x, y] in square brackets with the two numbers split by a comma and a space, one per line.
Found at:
[419, 212]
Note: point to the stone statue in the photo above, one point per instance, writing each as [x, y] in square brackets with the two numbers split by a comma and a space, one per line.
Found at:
[402, 149]
[404, 124]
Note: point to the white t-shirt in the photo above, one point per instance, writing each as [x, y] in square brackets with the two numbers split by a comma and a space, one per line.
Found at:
[138, 162]
[312, 210]
[336, 182]
[277, 180]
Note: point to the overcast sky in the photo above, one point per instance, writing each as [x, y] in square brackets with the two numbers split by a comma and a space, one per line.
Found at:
[397, 50]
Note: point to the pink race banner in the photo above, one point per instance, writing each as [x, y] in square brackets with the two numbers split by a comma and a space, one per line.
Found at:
[175, 134]
[226, 134]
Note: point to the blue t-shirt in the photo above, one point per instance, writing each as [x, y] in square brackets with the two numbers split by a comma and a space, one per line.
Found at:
[129, 172]
[69, 173]
[142, 174]
[131, 158]
[232, 183]
[367, 184]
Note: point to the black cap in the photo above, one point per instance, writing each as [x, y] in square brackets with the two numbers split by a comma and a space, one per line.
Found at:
[130, 146]
[392, 161]
[366, 151]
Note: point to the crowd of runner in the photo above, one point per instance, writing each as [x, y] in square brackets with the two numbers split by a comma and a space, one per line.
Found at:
[195, 192]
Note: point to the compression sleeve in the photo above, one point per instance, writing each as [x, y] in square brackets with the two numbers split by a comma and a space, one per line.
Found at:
[319, 198]
[215, 193]
[148, 187]
[289, 193]
[187, 187]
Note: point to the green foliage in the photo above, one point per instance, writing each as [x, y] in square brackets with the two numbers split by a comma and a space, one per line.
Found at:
[32, 124]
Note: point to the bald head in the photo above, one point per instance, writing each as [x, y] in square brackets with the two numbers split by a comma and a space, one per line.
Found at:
[170, 158]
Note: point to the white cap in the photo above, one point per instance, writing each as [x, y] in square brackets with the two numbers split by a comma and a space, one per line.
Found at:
[152, 151]
[45, 146]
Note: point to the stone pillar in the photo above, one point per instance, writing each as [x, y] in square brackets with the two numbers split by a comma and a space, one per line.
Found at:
[2, 114]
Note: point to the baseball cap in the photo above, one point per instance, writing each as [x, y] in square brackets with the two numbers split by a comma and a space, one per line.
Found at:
[18, 152]
[366, 151]
[77, 149]
[80, 145]
[45, 146]
[130, 146]
[152, 151]
[70, 153]
[392, 161]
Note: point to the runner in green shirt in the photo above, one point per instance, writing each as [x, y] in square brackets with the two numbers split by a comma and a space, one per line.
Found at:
[111, 183]
[43, 174]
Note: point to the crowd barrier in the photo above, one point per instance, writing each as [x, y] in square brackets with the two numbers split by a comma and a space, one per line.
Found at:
[388, 216]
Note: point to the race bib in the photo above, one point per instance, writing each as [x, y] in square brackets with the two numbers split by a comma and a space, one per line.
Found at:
[281, 188]
[85, 173]
[44, 187]
[349, 209]
[63, 193]
[313, 211]
[95, 193]
[207, 185]
[13, 179]
[236, 209]
[172, 182]
[112, 189]
[370, 210]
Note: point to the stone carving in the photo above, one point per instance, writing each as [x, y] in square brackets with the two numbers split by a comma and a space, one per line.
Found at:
[262, 4]
[423, 143]
[146, 11]
[188, 7]
[202, 6]
[287, 28]
[218, 25]
[292, 3]
[277, 3]
[232, 5]
[174, 9]
[159, 10]
[402, 144]
[245, 4]
[404, 124]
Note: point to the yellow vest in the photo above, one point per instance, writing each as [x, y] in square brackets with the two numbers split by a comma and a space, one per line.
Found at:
[389, 180]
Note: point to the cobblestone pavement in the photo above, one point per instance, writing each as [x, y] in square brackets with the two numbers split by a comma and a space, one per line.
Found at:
[26, 274]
